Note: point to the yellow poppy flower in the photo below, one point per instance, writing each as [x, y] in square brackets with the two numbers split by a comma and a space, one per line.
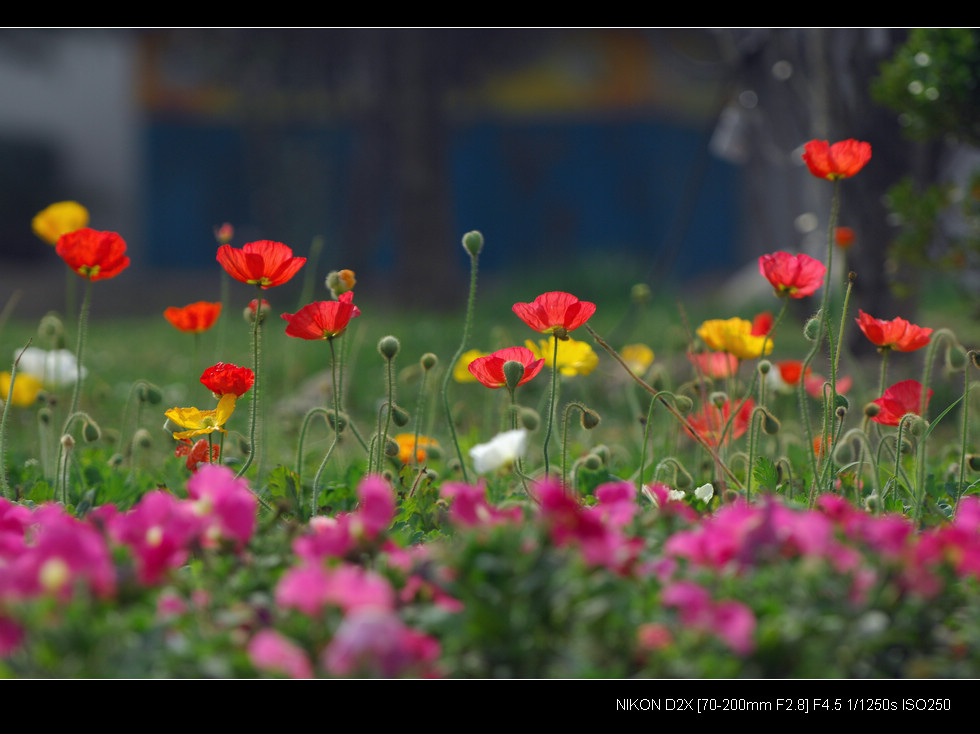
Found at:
[733, 336]
[202, 422]
[461, 372]
[574, 357]
[59, 219]
[638, 357]
[26, 389]
[405, 442]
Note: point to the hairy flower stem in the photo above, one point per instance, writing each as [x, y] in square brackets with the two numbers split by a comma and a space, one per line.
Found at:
[824, 324]
[574, 405]
[964, 432]
[551, 402]
[670, 408]
[256, 364]
[4, 485]
[79, 349]
[419, 408]
[470, 302]
[336, 431]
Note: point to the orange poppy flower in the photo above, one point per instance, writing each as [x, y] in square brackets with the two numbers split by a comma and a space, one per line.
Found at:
[840, 160]
[223, 379]
[897, 334]
[555, 313]
[92, 254]
[196, 454]
[58, 219]
[195, 317]
[490, 369]
[791, 370]
[844, 237]
[796, 276]
[710, 421]
[322, 319]
[406, 442]
[263, 263]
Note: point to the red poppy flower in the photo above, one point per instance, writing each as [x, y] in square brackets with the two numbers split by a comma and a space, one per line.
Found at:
[814, 384]
[901, 398]
[790, 371]
[897, 334]
[92, 254]
[196, 454]
[555, 313]
[710, 421]
[263, 263]
[322, 319]
[844, 237]
[762, 323]
[796, 276]
[195, 317]
[490, 369]
[225, 379]
[840, 160]
[715, 364]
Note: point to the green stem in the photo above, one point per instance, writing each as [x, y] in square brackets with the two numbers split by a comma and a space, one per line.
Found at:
[255, 386]
[467, 323]
[551, 402]
[336, 430]
[4, 485]
[79, 349]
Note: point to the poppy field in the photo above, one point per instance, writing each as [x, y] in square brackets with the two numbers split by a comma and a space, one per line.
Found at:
[266, 488]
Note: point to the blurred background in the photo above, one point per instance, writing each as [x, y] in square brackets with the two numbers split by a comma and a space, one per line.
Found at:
[665, 155]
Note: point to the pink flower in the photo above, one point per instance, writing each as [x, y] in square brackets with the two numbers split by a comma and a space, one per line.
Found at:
[225, 503]
[377, 505]
[159, 531]
[271, 652]
[311, 588]
[469, 506]
[376, 642]
[794, 276]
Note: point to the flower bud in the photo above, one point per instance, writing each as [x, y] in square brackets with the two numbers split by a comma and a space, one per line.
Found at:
[907, 447]
[250, 310]
[592, 462]
[602, 451]
[44, 416]
[974, 461]
[840, 412]
[116, 460]
[917, 426]
[872, 409]
[142, 439]
[513, 373]
[388, 346]
[224, 233]
[718, 399]
[872, 502]
[956, 358]
[399, 416]
[529, 419]
[764, 366]
[590, 419]
[51, 330]
[340, 282]
[91, 432]
[428, 361]
[640, 293]
[844, 453]
[434, 453]
[770, 424]
[68, 442]
[811, 330]
[683, 404]
[335, 422]
[975, 358]
[683, 480]
[150, 394]
[391, 448]
[473, 243]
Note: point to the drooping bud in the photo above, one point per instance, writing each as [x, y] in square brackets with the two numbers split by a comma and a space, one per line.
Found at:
[956, 358]
[683, 404]
[592, 462]
[91, 432]
[811, 330]
[338, 423]
[917, 426]
[844, 453]
[529, 419]
[590, 419]
[149, 394]
[399, 416]
[770, 424]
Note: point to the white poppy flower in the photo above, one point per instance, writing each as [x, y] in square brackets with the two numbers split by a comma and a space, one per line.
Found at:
[503, 449]
[675, 495]
[55, 369]
[705, 492]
